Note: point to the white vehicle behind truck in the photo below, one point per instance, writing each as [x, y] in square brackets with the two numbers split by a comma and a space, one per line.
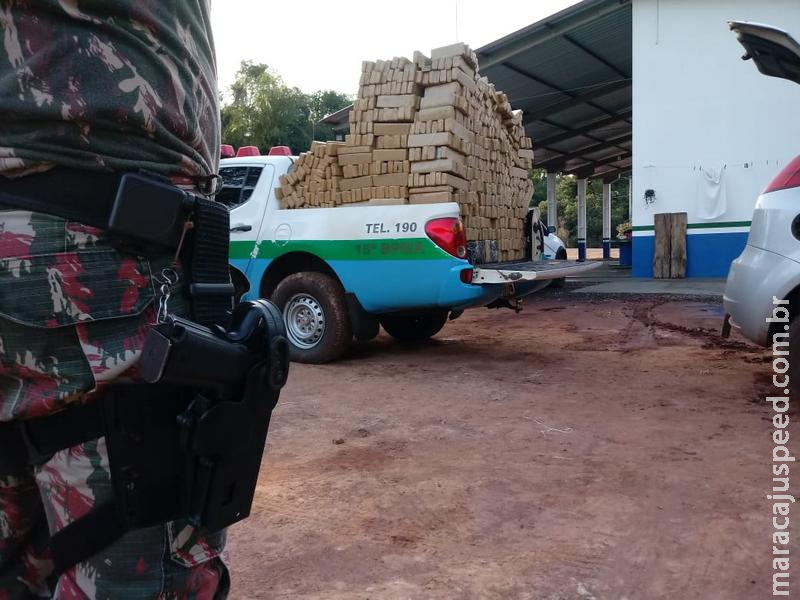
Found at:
[764, 281]
[340, 273]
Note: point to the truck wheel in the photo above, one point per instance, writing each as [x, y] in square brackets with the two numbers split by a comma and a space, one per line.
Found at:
[315, 314]
[410, 328]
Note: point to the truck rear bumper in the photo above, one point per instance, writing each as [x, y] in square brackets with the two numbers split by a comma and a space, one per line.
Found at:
[522, 271]
[409, 286]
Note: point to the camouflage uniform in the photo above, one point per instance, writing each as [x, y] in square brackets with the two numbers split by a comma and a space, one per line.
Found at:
[95, 85]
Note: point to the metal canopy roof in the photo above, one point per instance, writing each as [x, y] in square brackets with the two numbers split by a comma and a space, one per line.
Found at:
[571, 75]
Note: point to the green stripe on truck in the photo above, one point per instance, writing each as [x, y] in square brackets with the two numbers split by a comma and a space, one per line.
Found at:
[383, 249]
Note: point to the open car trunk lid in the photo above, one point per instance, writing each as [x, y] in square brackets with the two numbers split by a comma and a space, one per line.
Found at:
[513, 272]
[774, 51]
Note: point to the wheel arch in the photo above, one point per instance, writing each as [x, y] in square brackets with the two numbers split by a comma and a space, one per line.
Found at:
[289, 263]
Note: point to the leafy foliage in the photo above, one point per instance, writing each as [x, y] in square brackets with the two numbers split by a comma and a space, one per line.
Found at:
[567, 200]
[263, 111]
[322, 104]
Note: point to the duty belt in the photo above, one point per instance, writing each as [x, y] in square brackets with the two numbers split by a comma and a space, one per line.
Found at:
[149, 215]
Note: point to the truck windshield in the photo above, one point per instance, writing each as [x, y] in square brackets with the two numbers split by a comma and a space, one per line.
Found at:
[238, 184]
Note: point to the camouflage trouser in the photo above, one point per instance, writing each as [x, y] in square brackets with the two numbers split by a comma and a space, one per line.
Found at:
[73, 313]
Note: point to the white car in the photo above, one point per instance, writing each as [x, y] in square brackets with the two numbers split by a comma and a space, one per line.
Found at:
[554, 248]
[768, 271]
[549, 244]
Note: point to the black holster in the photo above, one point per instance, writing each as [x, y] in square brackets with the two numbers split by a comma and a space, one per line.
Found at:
[186, 446]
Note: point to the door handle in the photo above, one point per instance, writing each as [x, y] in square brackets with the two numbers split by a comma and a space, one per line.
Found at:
[241, 227]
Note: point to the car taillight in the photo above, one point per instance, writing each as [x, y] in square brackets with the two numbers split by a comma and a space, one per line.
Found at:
[789, 177]
[448, 233]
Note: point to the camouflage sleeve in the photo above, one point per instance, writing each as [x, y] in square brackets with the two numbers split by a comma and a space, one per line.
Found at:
[112, 85]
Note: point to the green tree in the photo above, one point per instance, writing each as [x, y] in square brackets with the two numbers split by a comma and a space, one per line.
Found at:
[539, 178]
[567, 200]
[322, 104]
[265, 112]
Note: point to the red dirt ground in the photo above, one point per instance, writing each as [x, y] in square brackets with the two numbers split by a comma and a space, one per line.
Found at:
[584, 449]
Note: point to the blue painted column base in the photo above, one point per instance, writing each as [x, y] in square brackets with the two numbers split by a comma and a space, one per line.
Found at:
[581, 250]
[606, 249]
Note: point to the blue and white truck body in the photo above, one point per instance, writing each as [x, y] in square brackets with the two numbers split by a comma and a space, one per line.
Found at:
[403, 266]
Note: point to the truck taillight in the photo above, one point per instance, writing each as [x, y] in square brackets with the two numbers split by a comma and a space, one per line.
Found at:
[448, 233]
[789, 177]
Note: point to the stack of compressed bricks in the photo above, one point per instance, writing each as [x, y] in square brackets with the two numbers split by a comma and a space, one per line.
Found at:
[315, 179]
[423, 131]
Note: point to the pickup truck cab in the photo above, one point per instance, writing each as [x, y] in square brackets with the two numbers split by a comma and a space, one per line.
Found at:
[339, 273]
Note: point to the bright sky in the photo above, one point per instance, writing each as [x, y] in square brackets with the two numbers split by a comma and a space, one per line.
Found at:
[317, 45]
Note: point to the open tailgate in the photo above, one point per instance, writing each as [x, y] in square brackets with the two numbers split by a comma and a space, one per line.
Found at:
[774, 51]
[512, 272]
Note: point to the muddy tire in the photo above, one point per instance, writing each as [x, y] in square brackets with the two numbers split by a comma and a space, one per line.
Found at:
[412, 328]
[315, 314]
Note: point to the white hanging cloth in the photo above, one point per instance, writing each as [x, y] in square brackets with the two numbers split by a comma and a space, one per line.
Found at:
[712, 201]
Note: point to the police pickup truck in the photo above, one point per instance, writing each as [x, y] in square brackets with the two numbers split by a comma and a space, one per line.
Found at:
[340, 273]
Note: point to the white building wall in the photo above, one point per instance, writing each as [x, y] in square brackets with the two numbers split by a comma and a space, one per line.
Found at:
[697, 104]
